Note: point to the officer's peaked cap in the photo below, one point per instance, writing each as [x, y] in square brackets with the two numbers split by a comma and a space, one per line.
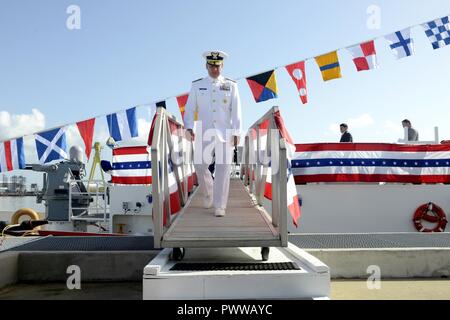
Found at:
[215, 57]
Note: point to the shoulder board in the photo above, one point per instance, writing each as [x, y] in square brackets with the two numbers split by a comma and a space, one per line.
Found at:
[197, 80]
[230, 80]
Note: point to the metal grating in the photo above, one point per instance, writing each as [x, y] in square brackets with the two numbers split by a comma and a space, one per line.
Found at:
[107, 243]
[371, 240]
[283, 266]
[9, 243]
[304, 241]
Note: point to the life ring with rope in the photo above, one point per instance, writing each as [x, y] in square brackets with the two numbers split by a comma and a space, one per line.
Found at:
[437, 216]
[24, 212]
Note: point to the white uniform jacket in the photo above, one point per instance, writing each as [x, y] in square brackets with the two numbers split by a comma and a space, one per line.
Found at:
[218, 104]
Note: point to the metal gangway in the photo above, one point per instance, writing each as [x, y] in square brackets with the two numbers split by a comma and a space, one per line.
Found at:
[246, 223]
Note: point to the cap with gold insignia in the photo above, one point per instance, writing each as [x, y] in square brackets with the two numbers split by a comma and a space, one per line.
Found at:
[215, 57]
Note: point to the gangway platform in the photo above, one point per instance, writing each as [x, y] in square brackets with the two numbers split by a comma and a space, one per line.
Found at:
[244, 224]
[223, 257]
[236, 273]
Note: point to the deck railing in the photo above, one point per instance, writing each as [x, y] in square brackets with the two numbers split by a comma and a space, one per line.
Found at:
[166, 155]
[88, 200]
[259, 156]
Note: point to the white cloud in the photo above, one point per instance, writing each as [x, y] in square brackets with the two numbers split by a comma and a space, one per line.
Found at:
[18, 125]
[393, 127]
[391, 131]
[363, 121]
[30, 150]
[333, 128]
[73, 137]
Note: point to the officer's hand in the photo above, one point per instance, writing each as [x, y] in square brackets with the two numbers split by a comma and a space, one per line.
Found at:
[236, 140]
[191, 135]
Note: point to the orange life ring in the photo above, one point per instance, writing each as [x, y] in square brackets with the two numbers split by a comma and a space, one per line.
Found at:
[438, 215]
[24, 212]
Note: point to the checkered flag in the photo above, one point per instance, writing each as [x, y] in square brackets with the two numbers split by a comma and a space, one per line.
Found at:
[438, 32]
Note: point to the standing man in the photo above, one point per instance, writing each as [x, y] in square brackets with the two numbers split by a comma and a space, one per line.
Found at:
[346, 136]
[217, 102]
[413, 135]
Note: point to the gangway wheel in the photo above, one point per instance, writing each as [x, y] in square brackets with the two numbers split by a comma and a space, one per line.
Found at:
[178, 254]
[265, 253]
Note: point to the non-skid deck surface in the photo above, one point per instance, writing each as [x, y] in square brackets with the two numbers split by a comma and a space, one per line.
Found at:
[242, 221]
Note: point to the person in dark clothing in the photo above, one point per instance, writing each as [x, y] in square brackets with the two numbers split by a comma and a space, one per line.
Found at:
[212, 166]
[346, 136]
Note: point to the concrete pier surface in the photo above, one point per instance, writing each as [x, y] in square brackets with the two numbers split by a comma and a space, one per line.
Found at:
[59, 291]
[408, 289]
[405, 289]
[412, 266]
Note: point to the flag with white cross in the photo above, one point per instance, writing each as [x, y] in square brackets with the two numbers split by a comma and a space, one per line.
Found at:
[51, 145]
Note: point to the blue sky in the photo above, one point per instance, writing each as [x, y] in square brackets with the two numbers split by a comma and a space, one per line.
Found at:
[132, 52]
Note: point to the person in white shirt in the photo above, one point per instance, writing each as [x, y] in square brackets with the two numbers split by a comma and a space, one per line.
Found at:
[215, 99]
[413, 134]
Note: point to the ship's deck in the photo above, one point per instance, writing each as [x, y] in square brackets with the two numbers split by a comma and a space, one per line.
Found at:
[304, 241]
[371, 240]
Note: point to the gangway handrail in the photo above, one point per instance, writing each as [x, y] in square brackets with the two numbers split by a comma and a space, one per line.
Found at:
[257, 162]
[162, 147]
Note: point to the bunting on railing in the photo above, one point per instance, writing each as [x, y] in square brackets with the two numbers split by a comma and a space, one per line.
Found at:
[371, 162]
[131, 165]
[293, 202]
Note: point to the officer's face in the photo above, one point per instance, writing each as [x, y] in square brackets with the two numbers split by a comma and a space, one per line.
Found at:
[214, 71]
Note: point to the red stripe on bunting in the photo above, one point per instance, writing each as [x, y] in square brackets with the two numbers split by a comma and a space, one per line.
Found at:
[129, 151]
[132, 180]
[301, 179]
[370, 147]
[8, 155]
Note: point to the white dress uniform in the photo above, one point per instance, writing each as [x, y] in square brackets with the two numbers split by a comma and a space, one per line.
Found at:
[218, 105]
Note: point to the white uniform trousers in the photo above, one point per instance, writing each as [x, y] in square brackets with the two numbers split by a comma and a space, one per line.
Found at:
[218, 187]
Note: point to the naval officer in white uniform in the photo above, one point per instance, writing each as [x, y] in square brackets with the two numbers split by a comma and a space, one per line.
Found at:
[217, 102]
